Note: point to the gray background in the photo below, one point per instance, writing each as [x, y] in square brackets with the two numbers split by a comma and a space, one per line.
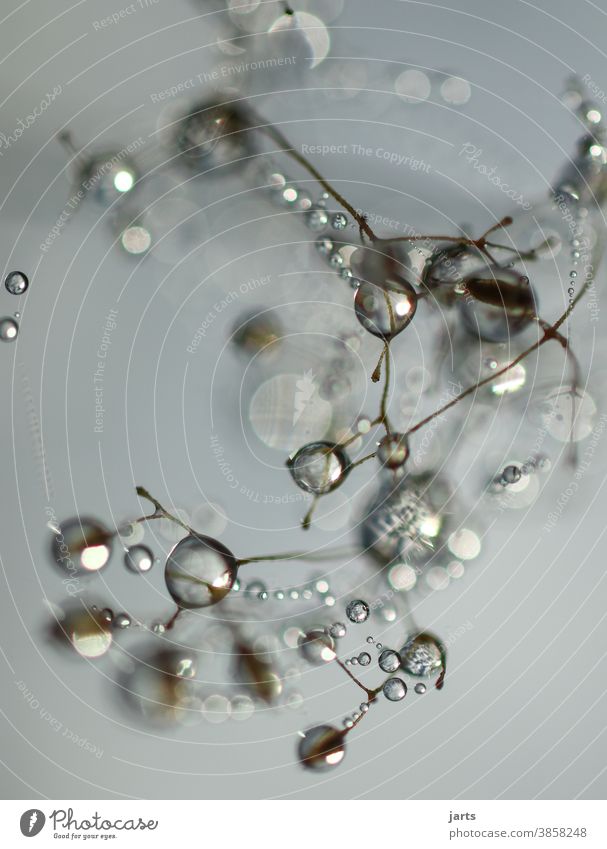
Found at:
[522, 712]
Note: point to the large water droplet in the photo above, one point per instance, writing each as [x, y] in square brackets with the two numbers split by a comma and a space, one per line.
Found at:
[389, 660]
[385, 302]
[322, 747]
[82, 545]
[316, 646]
[200, 571]
[422, 655]
[319, 467]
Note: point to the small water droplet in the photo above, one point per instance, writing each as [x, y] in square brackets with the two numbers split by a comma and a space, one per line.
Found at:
[364, 658]
[122, 621]
[139, 559]
[337, 630]
[357, 611]
[9, 329]
[394, 689]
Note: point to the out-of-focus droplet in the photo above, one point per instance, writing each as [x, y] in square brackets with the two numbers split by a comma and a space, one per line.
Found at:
[131, 534]
[139, 559]
[9, 329]
[456, 91]
[88, 631]
[464, 544]
[136, 240]
[214, 135]
[81, 545]
[106, 176]
[567, 415]
[413, 86]
[256, 670]
[317, 647]
[257, 332]
[337, 630]
[122, 621]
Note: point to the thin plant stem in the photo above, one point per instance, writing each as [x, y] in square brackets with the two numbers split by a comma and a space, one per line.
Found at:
[282, 142]
[550, 332]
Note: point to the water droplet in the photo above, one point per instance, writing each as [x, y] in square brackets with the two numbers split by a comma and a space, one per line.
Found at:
[139, 559]
[420, 689]
[316, 646]
[413, 86]
[107, 176]
[213, 135]
[337, 630]
[200, 571]
[131, 534]
[122, 621]
[393, 450]
[9, 329]
[317, 219]
[88, 631]
[322, 747]
[319, 467]
[242, 708]
[257, 332]
[422, 655]
[339, 221]
[511, 474]
[378, 646]
[82, 545]
[389, 660]
[497, 304]
[455, 90]
[394, 689]
[357, 611]
[370, 640]
[136, 240]
[364, 658]
[385, 302]
[364, 707]
[16, 282]
[324, 246]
